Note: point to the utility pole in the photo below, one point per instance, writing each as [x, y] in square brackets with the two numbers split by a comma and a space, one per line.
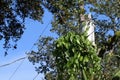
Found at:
[91, 29]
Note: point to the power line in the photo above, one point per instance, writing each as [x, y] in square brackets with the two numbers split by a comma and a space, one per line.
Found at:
[16, 69]
[41, 34]
[42, 46]
[35, 76]
[12, 62]
[24, 57]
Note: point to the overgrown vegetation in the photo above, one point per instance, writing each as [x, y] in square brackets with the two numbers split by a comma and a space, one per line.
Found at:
[71, 56]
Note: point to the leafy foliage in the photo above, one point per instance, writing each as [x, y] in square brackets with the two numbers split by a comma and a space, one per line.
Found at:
[77, 56]
[111, 11]
[69, 16]
[44, 55]
[12, 17]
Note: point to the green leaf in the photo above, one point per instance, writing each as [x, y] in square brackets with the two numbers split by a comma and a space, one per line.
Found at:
[81, 58]
[117, 74]
[76, 61]
[78, 55]
[86, 59]
[78, 42]
[84, 75]
[73, 50]
[71, 39]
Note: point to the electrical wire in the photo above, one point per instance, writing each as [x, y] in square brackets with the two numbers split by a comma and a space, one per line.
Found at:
[41, 34]
[24, 57]
[42, 47]
[16, 69]
[87, 37]
[35, 76]
[12, 62]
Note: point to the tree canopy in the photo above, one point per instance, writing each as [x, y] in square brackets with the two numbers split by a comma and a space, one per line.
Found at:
[69, 16]
[12, 17]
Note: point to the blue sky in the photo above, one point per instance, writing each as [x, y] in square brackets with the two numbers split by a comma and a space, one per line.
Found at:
[30, 36]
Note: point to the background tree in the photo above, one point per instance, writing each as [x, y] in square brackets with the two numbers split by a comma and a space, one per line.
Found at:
[69, 16]
[12, 17]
